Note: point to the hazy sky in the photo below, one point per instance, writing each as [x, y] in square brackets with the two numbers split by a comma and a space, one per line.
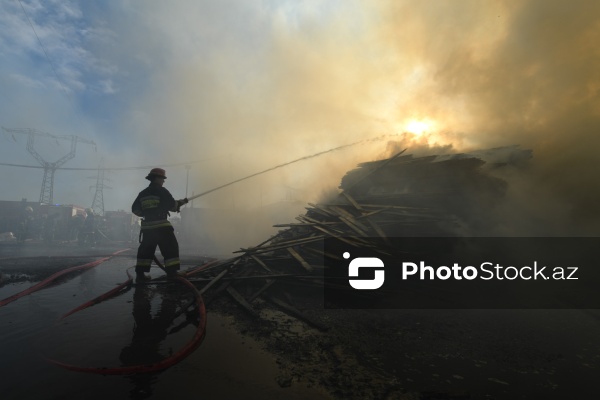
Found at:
[242, 86]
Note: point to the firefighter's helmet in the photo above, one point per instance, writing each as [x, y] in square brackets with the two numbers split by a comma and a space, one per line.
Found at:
[156, 172]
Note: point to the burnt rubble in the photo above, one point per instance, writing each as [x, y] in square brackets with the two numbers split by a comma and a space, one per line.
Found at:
[401, 196]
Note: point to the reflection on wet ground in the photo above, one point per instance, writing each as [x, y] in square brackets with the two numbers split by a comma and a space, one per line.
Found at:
[142, 325]
[366, 354]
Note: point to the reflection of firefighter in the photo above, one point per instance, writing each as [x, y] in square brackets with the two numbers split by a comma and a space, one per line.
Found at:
[156, 312]
[148, 333]
[154, 204]
[88, 231]
[149, 330]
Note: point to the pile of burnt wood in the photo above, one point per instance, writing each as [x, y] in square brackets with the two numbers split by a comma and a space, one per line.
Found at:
[396, 197]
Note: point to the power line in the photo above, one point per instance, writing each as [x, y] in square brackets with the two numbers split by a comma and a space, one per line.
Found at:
[47, 192]
[187, 162]
[44, 49]
[109, 168]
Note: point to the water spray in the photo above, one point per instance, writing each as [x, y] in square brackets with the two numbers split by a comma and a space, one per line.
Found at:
[283, 165]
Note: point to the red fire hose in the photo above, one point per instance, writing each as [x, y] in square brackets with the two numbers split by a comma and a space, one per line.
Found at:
[53, 277]
[101, 298]
[145, 368]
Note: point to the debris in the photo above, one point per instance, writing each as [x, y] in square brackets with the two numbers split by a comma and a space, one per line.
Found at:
[400, 196]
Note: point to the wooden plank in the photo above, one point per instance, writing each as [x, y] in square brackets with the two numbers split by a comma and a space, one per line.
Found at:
[215, 280]
[209, 266]
[379, 231]
[371, 213]
[261, 263]
[284, 246]
[352, 226]
[393, 206]
[383, 164]
[241, 300]
[269, 239]
[323, 209]
[343, 216]
[219, 276]
[352, 201]
[322, 253]
[261, 244]
[296, 242]
[318, 225]
[281, 245]
[354, 241]
[349, 216]
[267, 285]
[296, 313]
[318, 211]
[301, 224]
[301, 260]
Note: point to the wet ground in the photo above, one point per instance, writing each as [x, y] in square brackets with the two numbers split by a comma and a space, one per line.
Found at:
[375, 354]
[226, 365]
[442, 354]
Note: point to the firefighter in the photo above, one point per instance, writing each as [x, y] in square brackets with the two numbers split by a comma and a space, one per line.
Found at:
[153, 205]
[25, 224]
[88, 231]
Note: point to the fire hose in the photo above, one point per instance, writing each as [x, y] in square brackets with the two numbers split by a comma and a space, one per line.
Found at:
[279, 166]
[190, 346]
[185, 351]
[55, 276]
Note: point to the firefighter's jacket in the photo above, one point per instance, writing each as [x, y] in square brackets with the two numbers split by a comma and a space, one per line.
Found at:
[153, 205]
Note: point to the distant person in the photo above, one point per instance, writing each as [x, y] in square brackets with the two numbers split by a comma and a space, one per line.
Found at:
[153, 205]
[25, 224]
[88, 231]
[75, 226]
[49, 228]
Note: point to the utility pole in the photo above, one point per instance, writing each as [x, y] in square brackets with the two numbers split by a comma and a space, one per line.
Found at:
[47, 191]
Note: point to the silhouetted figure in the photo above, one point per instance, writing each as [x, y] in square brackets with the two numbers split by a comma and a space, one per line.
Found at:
[153, 204]
[25, 224]
[49, 228]
[88, 231]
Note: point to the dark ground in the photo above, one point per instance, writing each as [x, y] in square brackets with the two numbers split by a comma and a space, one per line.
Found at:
[384, 354]
[438, 354]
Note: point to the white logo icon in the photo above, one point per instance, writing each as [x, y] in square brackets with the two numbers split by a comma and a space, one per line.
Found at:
[365, 262]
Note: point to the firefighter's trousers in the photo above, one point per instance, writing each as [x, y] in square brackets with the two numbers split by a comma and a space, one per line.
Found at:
[164, 238]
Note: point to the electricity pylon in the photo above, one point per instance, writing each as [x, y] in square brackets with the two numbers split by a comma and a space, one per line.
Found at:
[98, 202]
[47, 192]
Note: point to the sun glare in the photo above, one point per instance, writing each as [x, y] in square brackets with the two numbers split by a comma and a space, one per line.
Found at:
[418, 127]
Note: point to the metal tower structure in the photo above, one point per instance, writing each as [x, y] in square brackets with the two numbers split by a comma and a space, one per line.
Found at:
[47, 192]
[98, 202]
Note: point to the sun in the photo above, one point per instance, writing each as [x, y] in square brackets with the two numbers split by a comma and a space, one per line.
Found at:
[418, 127]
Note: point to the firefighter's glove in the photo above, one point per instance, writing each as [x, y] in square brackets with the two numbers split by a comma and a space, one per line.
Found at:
[181, 203]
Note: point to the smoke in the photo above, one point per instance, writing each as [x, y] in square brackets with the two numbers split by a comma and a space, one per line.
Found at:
[233, 87]
[282, 85]
[293, 81]
[522, 73]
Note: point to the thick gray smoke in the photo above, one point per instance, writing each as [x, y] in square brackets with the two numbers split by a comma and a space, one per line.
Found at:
[246, 86]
